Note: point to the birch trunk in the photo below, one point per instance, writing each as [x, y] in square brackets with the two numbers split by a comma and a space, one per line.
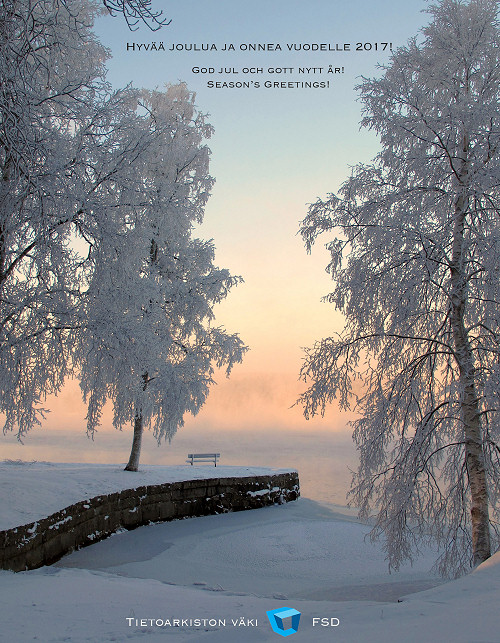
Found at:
[135, 454]
[474, 456]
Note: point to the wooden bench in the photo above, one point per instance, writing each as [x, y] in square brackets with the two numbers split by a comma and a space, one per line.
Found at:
[203, 457]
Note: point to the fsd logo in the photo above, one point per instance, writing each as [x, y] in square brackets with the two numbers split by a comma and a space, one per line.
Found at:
[278, 617]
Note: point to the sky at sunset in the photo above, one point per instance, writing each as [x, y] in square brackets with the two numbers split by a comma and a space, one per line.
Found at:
[274, 151]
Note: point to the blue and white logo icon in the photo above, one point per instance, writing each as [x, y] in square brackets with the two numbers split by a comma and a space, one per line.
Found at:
[277, 619]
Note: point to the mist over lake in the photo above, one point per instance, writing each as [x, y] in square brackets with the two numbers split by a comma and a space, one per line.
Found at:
[323, 459]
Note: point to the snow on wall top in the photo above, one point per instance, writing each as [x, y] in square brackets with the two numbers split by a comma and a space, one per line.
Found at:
[30, 491]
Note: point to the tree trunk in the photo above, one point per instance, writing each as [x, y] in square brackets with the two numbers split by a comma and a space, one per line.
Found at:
[474, 456]
[133, 462]
[135, 454]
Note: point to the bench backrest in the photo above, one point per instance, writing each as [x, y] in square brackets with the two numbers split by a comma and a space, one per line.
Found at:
[203, 455]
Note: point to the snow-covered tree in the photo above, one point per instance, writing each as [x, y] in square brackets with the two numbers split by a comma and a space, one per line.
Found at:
[415, 257]
[99, 193]
[148, 343]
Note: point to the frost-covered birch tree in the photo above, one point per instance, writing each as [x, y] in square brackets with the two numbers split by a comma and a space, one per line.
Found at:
[99, 193]
[415, 257]
[148, 342]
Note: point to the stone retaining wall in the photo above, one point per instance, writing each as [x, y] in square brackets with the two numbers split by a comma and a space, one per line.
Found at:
[45, 541]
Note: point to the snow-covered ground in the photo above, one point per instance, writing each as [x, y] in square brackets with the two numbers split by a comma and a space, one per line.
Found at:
[214, 578]
[300, 550]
